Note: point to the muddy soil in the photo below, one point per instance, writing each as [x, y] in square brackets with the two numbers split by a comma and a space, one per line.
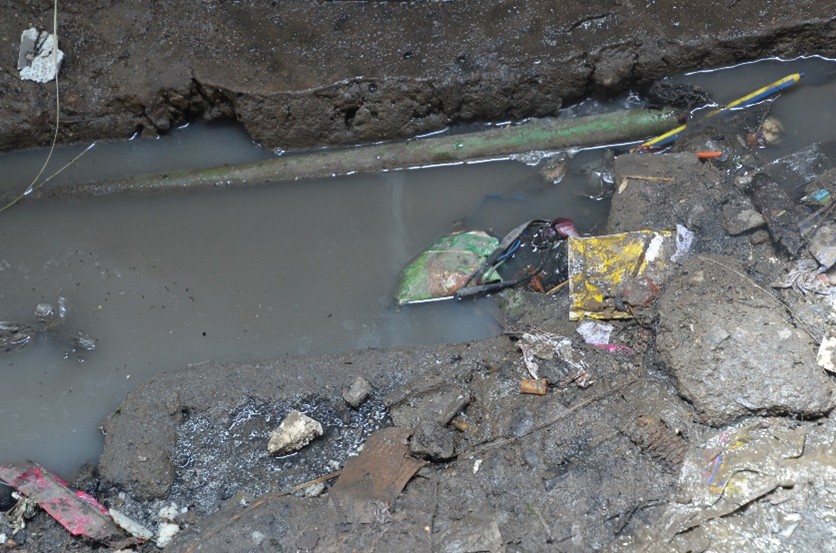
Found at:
[633, 447]
[301, 74]
[606, 459]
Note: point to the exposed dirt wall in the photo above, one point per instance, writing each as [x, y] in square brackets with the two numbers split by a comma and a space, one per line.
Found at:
[301, 74]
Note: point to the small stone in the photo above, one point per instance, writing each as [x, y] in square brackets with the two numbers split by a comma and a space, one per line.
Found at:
[823, 246]
[295, 432]
[740, 218]
[358, 392]
[760, 236]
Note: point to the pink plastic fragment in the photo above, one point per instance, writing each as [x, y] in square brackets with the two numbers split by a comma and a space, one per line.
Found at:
[77, 511]
[612, 348]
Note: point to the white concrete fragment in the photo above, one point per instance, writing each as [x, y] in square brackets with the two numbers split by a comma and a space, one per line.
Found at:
[41, 56]
[295, 432]
[166, 533]
[169, 512]
[826, 357]
[130, 525]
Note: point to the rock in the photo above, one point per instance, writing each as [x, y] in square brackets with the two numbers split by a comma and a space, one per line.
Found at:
[433, 441]
[823, 245]
[741, 217]
[439, 404]
[295, 432]
[358, 392]
[731, 352]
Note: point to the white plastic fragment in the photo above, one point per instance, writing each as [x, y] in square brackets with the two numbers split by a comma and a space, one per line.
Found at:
[38, 60]
[684, 239]
[595, 332]
[130, 525]
[166, 533]
[295, 432]
[826, 357]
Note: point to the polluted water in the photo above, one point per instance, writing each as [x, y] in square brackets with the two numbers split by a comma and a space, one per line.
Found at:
[309, 267]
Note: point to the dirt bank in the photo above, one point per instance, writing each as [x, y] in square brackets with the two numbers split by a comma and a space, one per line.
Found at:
[301, 74]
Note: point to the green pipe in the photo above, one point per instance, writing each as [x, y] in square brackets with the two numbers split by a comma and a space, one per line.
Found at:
[542, 134]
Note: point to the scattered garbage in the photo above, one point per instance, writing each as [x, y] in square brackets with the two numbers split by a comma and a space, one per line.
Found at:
[595, 332]
[826, 357]
[39, 58]
[77, 511]
[295, 432]
[805, 277]
[748, 100]
[130, 525]
[546, 346]
[445, 267]
[533, 253]
[358, 392]
[611, 275]
[472, 263]
[369, 483]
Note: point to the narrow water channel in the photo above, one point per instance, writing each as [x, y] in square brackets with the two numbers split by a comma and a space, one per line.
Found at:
[286, 268]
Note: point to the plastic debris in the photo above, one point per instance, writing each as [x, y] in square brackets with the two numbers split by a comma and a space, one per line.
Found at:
[805, 277]
[546, 346]
[748, 100]
[533, 253]
[534, 386]
[684, 240]
[826, 357]
[38, 60]
[130, 525]
[78, 512]
[295, 432]
[611, 275]
[440, 271]
[374, 478]
[595, 332]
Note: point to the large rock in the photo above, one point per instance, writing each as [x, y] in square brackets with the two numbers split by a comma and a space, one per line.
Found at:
[732, 352]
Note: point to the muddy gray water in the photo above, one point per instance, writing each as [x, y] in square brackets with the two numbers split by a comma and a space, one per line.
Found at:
[287, 268]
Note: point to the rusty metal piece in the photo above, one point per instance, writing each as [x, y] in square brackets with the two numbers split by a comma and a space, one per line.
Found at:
[370, 482]
[534, 386]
